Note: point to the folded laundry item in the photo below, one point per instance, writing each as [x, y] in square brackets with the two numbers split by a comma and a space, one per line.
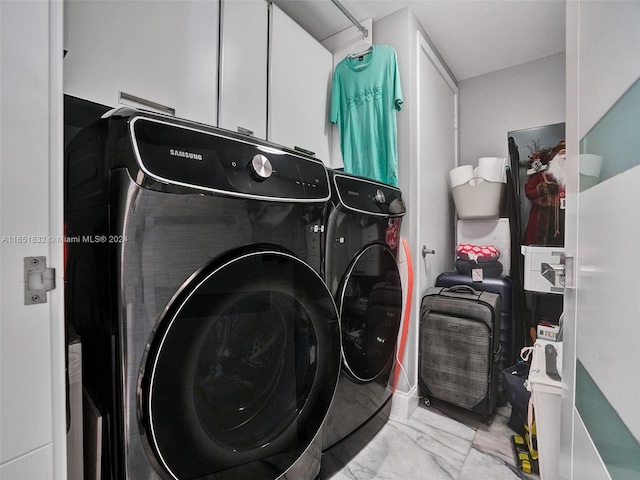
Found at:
[489, 269]
[478, 253]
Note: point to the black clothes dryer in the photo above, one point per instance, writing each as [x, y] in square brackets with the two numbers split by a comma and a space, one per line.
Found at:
[211, 342]
[361, 270]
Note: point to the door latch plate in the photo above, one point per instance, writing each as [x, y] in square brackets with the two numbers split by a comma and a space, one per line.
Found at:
[38, 280]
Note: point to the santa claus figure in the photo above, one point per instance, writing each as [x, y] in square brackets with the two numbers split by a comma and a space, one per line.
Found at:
[546, 190]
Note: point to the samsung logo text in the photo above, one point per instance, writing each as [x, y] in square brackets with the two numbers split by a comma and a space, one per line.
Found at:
[183, 154]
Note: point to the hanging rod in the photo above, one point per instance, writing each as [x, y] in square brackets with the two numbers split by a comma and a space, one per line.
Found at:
[365, 32]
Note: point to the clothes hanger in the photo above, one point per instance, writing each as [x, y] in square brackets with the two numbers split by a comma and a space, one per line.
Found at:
[365, 46]
[360, 50]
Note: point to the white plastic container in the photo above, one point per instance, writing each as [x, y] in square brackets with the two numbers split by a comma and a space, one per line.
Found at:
[492, 169]
[460, 175]
[590, 164]
[534, 257]
[488, 173]
[590, 167]
[546, 397]
[478, 198]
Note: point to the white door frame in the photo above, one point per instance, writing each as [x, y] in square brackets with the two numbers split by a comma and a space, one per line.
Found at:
[603, 218]
[424, 50]
[405, 403]
[32, 351]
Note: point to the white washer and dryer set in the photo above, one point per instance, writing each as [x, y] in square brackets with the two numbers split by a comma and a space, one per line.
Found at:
[242, 294]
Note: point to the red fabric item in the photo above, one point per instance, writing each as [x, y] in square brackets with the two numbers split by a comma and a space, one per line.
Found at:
[478, 253]
[392, 233]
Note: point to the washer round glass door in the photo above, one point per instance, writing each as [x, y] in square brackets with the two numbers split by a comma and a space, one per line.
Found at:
[241, 369]
[370, 314]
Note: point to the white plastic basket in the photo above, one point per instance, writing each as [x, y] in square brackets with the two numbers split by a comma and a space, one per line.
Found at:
[546, 397]
[478, 198]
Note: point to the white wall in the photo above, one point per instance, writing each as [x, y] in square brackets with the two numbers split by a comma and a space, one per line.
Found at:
[524, 96]
[394, 30]
[427, 150]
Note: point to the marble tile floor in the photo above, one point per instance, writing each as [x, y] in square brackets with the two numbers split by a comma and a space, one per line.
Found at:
[437, 444]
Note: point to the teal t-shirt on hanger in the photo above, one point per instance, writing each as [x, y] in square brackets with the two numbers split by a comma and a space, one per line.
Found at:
[365, 97]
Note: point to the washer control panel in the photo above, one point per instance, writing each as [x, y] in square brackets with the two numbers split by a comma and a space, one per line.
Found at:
[368, 196]
[220, 161]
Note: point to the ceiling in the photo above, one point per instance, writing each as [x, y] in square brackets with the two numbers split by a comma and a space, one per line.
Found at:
[474, 37]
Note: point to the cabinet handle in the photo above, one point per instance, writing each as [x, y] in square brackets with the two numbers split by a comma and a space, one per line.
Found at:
[127, 97]
[245, 131]
[304, 150]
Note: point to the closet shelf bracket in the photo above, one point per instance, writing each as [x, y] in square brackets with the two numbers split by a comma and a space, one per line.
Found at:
[358, 25]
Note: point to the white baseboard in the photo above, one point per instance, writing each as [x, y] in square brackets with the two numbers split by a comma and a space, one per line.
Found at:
[404, 403]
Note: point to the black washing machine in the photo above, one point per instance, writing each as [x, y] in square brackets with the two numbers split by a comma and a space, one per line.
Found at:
[361, 270]
[193, 274]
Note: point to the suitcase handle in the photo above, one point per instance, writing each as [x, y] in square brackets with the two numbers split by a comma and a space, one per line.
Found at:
[462, 288]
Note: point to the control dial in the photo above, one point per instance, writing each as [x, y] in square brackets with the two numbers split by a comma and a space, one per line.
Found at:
[260, 168]
[379, 197]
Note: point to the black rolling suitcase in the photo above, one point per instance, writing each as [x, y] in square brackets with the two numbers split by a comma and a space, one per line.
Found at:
[460, 347]
[509, 331]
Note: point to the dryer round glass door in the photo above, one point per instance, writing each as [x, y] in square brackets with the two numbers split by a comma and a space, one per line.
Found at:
[370, 305]
[241, 368]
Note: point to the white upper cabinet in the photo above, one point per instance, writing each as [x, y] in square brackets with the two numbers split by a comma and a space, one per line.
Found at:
[229, 63]
[243, 66]
[299, 87]
[159, 56]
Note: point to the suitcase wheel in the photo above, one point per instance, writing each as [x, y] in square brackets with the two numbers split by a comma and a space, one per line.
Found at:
[426, 401]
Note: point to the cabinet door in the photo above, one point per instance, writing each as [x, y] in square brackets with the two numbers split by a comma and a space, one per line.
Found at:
[300, 82]
[243, 66]
[163, 53]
